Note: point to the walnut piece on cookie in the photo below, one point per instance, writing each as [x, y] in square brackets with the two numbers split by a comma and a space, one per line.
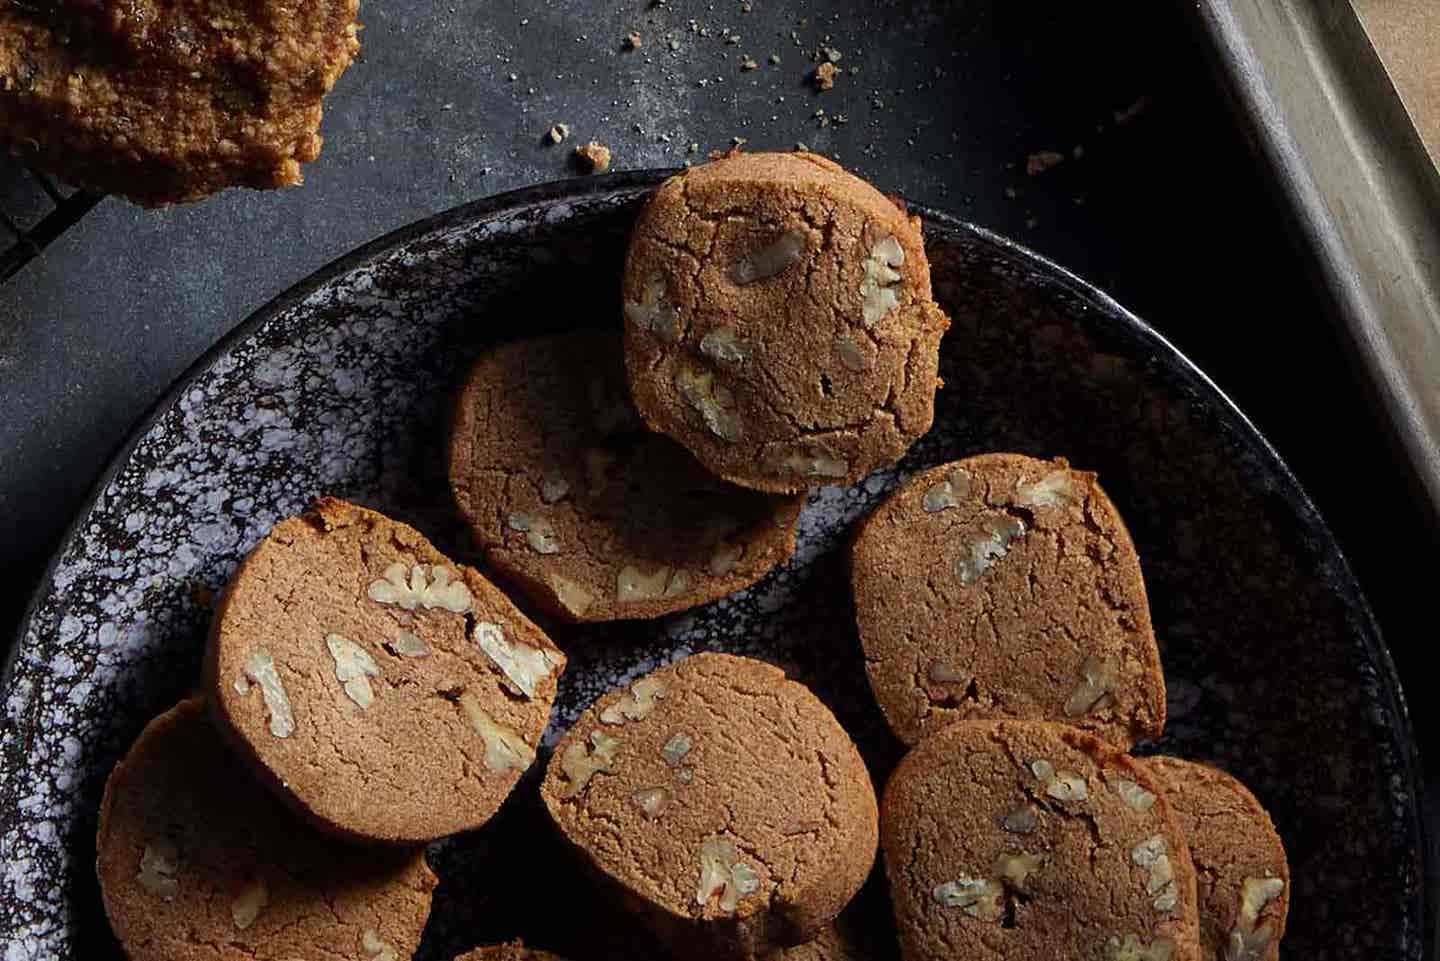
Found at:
[1239, 858]
[1005, 586]
[594, 517]
[385, 692]
[1090, 875]
[197, 860]
[779, 321]
[731, 810]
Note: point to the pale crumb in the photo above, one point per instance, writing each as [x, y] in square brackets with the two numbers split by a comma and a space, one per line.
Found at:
[595, 156]
[557, 133]
[633, 41]
[824, 76]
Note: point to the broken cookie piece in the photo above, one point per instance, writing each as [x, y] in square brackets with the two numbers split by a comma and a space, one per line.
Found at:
[683, 789]
[1005, 586]
[1006, 839]
[602, 520]
[779, 321]
[382, 690]
[1243, 872]
[192, 850]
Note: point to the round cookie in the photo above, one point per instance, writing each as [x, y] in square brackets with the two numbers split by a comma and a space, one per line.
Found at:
[1239, 859]
[593, 516]
[514, 951]
[197, 862]
[1029, 841]
[779, 321]
[385, 692]
[723, 801]
[1004, 586]
[831, 945]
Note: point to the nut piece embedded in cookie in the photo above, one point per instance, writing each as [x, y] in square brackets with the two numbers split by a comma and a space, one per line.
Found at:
[993, 849]
[683, 789]
[389, 694]
[1032, 602]
[1243, 872]
[779, 321]
[192, 850]
[594, 517]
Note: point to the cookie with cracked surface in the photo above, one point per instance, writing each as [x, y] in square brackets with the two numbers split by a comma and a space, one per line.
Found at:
[197, 861]
[513, 951]
[1239, 858]
[384, 691]
[166, 102]
[593, 516]
[831, 945]
[1029, 840]
[720, 800]
[1005, 586]
[779, 321]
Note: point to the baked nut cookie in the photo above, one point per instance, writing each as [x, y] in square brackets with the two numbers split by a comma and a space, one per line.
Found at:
[1029, 841]
[1004, 586]
[593, 516]
[723, 801]
[514, 951]
[832, 945]
[384, 691]
[1239, 860]
[165, 102]
[779, 321]
[197, 861]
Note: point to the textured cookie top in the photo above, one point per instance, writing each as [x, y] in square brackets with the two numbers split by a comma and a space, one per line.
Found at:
[715, 788]
[832, 945]
[594, 516]
[387, 692]
[165, 102]
[197, 862]
[1004, 586]
[1239, 859]
[779, 321]
[1031, 841]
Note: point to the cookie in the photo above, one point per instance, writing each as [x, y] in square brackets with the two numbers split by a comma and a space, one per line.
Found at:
[1004, 586]
[385, 692]
[722, 801]
[831, 945]
[593, 516]
[779, 321]
[197, 862]
[514, 951]
[1239, 859]
[1029, 841]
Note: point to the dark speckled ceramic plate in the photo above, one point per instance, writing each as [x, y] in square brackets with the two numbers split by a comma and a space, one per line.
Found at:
[1275, 668]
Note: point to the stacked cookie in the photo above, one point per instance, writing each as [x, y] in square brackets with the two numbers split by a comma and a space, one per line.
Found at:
[364, 695]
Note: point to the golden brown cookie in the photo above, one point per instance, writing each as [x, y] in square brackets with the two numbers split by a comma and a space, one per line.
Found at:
[1239, 859]
[1031, 841]
[1004, 586]
[384, 691]
[723, 801]
[832, 945]
[165, 102]
[514, 951]
[779, 321]
[593, 516]
[197, 862]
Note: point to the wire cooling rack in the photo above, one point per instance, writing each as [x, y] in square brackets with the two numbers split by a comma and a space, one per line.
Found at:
[34, 213]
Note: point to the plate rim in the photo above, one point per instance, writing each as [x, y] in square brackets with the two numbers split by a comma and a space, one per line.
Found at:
[496, 205]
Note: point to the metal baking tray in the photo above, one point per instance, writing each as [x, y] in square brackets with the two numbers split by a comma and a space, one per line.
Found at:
[1364, 195]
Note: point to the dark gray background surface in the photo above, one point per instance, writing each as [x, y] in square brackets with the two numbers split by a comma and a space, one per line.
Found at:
[1158, 201]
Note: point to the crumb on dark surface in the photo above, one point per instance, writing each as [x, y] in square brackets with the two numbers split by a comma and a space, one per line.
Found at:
[594, 157]
[825, 76]
[1042, 160]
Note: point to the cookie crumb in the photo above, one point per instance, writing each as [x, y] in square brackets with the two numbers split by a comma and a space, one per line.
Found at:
[1040, 161]
[633, 41]
[824, 76]
[557, 133]
[595, 156]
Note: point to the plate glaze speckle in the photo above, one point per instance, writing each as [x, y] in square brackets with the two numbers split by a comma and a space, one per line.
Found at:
[1274, 665]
